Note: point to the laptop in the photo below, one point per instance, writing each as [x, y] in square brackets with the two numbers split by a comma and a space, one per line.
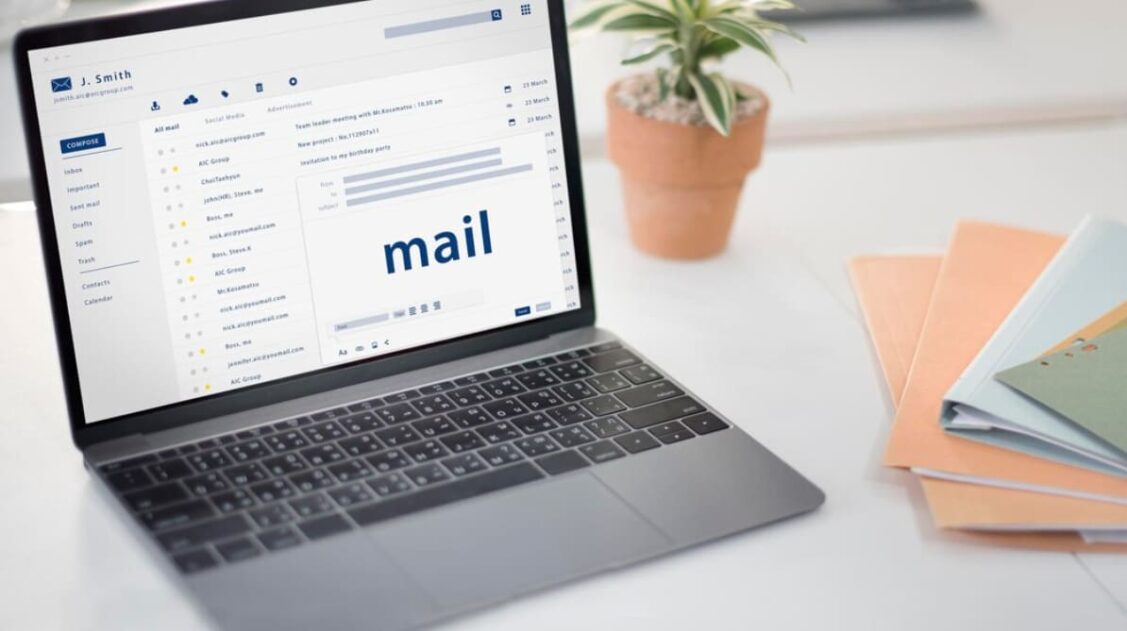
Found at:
[320, 281]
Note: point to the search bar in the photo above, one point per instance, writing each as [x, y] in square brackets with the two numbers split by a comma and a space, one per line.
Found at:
[442, 24]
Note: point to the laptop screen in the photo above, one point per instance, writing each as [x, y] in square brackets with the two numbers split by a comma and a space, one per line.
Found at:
[245, 201]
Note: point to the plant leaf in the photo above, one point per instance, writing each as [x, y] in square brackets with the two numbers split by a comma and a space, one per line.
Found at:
[662, 83]
[639, 22]
[595, 13]
[729, 92]
[649, 54]
[742, 33]
[713, 102]
[653, 9]
[684, 10]
[718, 47]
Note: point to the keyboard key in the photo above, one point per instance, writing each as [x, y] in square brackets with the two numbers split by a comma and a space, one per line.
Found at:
[501, 454]
[607, 426]
[675, 437]
[431, 405]
[244, 474]
[396, 436]
[435, 388]
[640, 374]
[578, 353]
[209, 460]
[571, 371]
[575, 391]
[534, 423]
[171, 469]
[480, 377]
[667, 428]
[290, 423]
[206, 484]
[128, 463]
[464, 464]
[227, 439]
[398, 413]
[649, 393]
[573, 436]
[602, 451]
[389, 460]
[366, 406]
[286, 441]
[324, 526]
[205, 445]
[271, 515]
[273, 490]
[463, 441]
[635, 442]
[604, 347]
[311, 505]
[327, 415]
[499, 432]
[250, 450]
[470, 417]
[306, 481]
[705, 423]
[360, 423]
[608, 382]
[538, 363]
[535, 379]
[540, 400]
[505, 408]
[236, 550]
[233, 500]
[469, 396]
[351, 470]
[562, 462]
[603, 405]
[506, 371]
[205, 532]
[187, 449]
[501, 388]
[285, 465]
[400, 397]
[323, 454]
[426, 451]
[536, 445]
[390, 484]
[351, 494]
[661, 412]
[435, 426]
[612, 360]
[324, 432]
[177, 514]
[279, 538]
[129, 480]
[461, 489]
[568, 414]
[155, 496]
[426, 474]
[361, 445]
[195, 561]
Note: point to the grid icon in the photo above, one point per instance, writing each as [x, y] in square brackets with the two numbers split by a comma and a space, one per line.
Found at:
[526, 9]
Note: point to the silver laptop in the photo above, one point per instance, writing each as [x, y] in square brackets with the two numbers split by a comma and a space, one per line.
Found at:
[320, 280]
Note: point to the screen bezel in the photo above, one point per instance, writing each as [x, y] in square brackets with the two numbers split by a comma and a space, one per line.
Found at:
[194, 410]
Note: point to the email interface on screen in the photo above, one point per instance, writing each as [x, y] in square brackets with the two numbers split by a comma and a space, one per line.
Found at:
[241, 202]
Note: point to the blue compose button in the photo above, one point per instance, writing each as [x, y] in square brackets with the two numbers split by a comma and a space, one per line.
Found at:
[523, 311]
[83, 143]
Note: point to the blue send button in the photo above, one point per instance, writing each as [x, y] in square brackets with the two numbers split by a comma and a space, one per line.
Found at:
[82, 143]
[523, 311]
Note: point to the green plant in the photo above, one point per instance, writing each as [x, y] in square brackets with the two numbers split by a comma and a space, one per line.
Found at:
[693, 33]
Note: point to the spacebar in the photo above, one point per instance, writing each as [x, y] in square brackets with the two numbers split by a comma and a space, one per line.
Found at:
[462, 489]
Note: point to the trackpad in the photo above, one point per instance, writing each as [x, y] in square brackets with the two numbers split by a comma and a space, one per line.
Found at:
[518, 540]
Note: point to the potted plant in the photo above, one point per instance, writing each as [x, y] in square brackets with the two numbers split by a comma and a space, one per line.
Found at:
[684, 137]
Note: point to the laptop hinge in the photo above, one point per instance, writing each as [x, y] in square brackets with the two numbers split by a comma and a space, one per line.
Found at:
[116, 449]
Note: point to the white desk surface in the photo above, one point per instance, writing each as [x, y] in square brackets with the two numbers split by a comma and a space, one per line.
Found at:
[768, 332]
[1015, 62]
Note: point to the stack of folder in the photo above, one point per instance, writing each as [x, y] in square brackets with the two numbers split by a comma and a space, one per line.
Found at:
[1006, 359]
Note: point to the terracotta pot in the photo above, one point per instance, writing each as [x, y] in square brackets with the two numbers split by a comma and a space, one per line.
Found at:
[681, 183]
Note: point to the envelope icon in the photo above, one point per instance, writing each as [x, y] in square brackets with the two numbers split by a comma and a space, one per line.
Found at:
[62, 84]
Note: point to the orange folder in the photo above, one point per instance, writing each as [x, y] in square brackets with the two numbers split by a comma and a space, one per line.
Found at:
[986, 270]
[894, 293]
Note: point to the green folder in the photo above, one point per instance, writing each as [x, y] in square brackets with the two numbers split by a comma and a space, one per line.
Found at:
[1085, 383]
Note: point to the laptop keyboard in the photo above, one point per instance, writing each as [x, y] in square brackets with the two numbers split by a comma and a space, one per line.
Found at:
[284, 484]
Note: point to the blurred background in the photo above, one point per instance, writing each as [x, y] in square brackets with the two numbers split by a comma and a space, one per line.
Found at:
[1004, 63]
